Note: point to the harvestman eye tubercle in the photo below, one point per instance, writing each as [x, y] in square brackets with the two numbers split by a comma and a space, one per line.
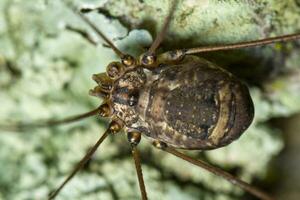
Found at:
[174, 99]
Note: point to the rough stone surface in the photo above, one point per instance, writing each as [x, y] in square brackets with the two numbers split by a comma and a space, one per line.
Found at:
[45, 72]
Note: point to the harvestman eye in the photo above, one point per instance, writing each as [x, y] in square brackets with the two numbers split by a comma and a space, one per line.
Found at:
[211, 111]
[115, 70]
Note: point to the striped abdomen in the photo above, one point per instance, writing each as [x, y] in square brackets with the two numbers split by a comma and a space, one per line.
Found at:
[196, 105]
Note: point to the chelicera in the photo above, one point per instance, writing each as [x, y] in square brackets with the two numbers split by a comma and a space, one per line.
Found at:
[174, 99]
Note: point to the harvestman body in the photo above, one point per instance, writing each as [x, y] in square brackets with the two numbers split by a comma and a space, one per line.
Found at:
[189, 105]
[174, 99]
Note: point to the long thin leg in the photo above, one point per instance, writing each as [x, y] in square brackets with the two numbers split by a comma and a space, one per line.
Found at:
[178, 54]
[82, 33]
[271, 40]
[23, 126]
[113, 128]
[159, 38]
[94, 27]
[134, 139]
[137, 162]
[217, 171]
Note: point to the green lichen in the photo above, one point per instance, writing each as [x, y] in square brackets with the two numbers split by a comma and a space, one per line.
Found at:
[210, 21]
[45, 72]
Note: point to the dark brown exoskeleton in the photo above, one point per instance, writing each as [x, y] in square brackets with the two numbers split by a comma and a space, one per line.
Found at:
[174, 99]
[188, 104]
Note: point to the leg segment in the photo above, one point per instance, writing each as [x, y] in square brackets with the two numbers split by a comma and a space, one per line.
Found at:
[175, 56]
[217, 171]
[41, 124]
[82, 33]
[134, 138]
[94, 27]
[149, 59]
[179, 54]
[159, 38]
[114, 127]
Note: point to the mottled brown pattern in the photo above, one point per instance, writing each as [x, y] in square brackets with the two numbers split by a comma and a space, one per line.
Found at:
[192, 109]
[193, 105]
[125, 95]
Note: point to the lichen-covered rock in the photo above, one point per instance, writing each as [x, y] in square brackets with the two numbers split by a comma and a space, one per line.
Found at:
[45, 72]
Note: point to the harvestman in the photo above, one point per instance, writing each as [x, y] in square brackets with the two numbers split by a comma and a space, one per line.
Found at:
[137, 92]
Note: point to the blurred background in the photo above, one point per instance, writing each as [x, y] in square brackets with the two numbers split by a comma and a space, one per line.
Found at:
[45, 73]
[287, 162]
